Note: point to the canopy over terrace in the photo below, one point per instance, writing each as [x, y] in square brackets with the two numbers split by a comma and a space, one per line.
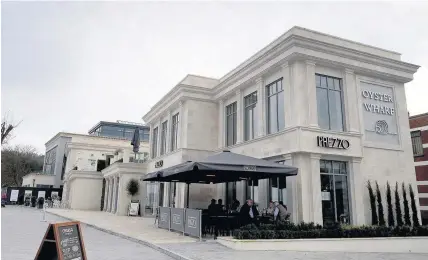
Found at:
[220, 168]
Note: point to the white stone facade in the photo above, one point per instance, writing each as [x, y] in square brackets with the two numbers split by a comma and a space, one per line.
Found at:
[370, 78]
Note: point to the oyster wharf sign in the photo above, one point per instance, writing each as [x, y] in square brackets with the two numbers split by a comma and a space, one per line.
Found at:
[383, 109]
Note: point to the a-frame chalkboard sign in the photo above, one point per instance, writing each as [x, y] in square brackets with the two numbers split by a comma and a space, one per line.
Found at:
[62, 241]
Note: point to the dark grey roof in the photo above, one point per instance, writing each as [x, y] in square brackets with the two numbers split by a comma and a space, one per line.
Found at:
[223, 167]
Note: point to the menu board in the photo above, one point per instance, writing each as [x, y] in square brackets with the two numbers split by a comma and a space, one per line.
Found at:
[14, 195]
[62, 241]
[69, 242]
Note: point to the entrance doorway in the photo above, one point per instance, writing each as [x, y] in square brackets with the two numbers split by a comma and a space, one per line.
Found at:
[334, 192]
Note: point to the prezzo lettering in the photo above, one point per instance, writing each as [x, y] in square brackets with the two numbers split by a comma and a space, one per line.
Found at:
[331, 142]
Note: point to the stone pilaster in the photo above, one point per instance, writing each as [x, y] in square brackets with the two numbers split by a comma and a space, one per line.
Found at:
[357, 189]
[351, 101]
[316, 202]
[239, 117]
[288, 97]
[221, 124]
[311, 94]
[261, 107]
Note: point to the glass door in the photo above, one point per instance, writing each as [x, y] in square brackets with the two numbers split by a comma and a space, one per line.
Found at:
[334, 192]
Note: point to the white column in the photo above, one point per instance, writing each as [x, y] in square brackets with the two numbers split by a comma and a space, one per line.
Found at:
[168, 133]
[180, 127]
[261, 107]
[110, 194]
[300, 93]
[292, 196]
[126, 154]
[116, 193]
[312, 94]
[288, 97]
[351, 101]
[239, 117]
[221, 124]
[357, 189]
[316, 189]
[105, 195]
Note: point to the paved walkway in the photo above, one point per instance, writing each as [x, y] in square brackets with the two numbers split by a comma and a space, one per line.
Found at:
[188, 248]
[22, 232]
[136, 227]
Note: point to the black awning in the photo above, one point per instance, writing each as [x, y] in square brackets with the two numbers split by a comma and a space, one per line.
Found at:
[223, 167]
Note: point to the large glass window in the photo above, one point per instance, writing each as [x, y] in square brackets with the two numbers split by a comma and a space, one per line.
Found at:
[278, 188]
[418, 149]
[334, 192]
[50, 160]
[250, 103]
[230, 193]
[163, 137]
[174, 132]
[252, 191]
[155, 143]
[329, 102]
[111, 131]
[231, 124]
[275, 107]
[144, 134]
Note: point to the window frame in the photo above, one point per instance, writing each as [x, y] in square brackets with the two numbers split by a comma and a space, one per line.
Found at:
[233, 114]
[155, 142]
[342, 105]
[175, 120]
[277, 93]
[251, 106]
[163, 136]
[415, 146]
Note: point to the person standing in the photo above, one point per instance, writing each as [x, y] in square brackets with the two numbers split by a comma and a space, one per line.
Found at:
[248, 213]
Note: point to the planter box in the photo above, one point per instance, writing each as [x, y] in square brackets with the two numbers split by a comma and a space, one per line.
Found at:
[368, 245]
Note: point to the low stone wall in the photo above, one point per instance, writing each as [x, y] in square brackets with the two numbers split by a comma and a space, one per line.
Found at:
[367, 245]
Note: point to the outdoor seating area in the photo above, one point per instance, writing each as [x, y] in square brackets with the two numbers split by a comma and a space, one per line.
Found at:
[219, 168]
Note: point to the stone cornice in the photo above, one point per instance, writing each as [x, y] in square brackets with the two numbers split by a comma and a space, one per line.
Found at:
[73, 174]
[129, 168]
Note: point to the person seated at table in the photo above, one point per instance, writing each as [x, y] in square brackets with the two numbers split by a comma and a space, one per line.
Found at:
[219, 207]
[270, 210]
[248, 213]
[235, 205]
[212, 208]
[280, 213]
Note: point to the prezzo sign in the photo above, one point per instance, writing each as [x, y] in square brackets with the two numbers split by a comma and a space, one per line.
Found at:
[159, 164]
[331, 142]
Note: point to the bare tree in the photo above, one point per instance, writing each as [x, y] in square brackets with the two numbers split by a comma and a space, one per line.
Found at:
[7, 129]
[18, 161]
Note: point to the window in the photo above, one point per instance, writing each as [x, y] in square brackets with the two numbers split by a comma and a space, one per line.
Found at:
[144, 134]
[50, 160]
[329, 102]
[418, 149]
[43, 186]
[231, 124]
[275, 107]
[174, 132]
[163, 137]
[111, 131]
[250, 103]
[155, 143]
[334, 192]
[252, 190]
[278, 188]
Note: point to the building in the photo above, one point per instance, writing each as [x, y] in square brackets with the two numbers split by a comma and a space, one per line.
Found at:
[39, 180]
[120, 129]
[419, 135]
[56, 148]
[334, 108]
[76, 160]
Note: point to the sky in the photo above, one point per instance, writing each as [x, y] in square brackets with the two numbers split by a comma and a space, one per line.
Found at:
[67, 65]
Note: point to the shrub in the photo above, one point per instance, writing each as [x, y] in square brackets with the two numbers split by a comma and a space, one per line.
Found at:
[421, 231]
[398, 214]
[403, 231]
[414, 209]
[372, 197]
[407, 221]
[391, 221]
[133, 187]
[380, 206]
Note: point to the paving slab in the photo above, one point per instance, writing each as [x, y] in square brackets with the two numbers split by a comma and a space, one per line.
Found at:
[22, 232]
